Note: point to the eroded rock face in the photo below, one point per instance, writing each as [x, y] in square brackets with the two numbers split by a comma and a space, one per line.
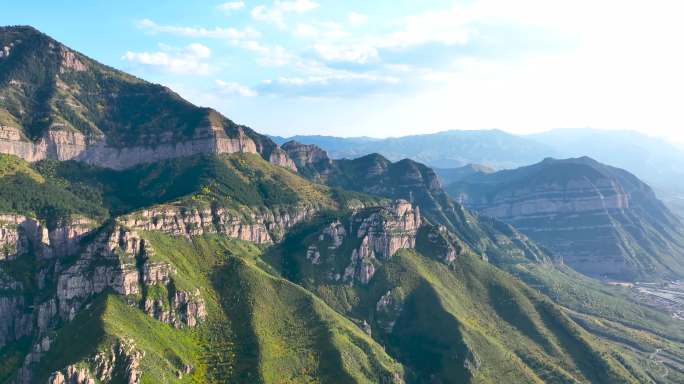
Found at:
[386, 231]
[304, 155]
[63, 144]
[364, 239]
[185, 309]
[122, 359]
[17, 235]
[113, 258]
[388, 309]
[70, 61]
[81, 260]
[310, 160]
[261, 226]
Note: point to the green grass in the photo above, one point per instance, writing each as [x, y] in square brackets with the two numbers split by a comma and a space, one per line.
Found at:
[260, 327]
[11, 165]
[110, 319]
[468, 313]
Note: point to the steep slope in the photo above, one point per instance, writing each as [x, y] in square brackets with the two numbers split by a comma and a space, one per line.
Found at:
[170, 289]
[448, 317]
[602, 221]
[57, 103]
[414, 182]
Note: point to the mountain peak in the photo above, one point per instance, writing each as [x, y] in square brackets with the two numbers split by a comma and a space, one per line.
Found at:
[58, 103]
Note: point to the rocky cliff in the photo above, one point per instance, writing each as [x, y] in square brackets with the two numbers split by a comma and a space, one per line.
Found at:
[70, 265]
[258, 225]
[349, 249]
[56, 103]
[600, 220]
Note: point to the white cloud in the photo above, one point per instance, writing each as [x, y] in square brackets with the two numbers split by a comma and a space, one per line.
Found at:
[235, 89]
[452, 26]
[231, 6]
[198, 50]
[276, 12]
[448, 27]
[327, 30]
[188, 60]
[216, 33]
[355, 18]
[360, 54]
[268, 56]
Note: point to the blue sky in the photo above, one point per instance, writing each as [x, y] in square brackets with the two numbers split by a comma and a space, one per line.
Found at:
[388, 68]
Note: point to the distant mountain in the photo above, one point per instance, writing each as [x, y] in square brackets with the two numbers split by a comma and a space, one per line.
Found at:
[650, 158]
[57, 103]
[659, 163]
[450, 149]
[654, 160]
[602, 221]
[451, 175]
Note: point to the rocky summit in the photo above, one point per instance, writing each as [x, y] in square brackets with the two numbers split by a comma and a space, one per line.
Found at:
[146, 240]
[600, 220]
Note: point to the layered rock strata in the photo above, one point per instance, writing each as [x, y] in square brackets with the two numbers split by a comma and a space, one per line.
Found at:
[62, 144]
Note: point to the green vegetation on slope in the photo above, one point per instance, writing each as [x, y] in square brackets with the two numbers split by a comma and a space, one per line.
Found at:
[24, 190]
[45, 85]
[110, 320]
[462, 322]
[52, 190]
[260, 327]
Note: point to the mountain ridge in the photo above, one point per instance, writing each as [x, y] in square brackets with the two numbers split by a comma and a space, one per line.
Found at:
[57, 103]
[564, 204]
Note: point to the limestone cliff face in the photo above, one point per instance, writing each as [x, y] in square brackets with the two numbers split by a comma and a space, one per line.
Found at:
[311, 161]
[363, 240]
[121, 357]
[602, 221]
[56, 103]
[260, 226]
[75, 263]
[573, 197]
[79, 259]
[62, 144]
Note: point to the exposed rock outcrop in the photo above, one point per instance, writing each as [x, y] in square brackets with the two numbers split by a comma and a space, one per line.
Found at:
[184, 309]
[260, 226]
[113, 258]
[121, 363]
[62, 144]
[388, 309]
[310, 160]
[600, 220]
[364, 239]
[69, 106]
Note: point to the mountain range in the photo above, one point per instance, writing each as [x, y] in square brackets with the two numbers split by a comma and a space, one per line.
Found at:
[145, 240]
[652, 159]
